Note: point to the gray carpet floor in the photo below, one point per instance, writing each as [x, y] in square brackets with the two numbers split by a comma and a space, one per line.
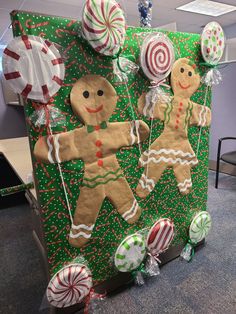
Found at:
[207, 285]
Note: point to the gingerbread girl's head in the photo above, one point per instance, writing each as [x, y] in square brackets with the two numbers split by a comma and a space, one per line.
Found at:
[185, 79]
[93, 99]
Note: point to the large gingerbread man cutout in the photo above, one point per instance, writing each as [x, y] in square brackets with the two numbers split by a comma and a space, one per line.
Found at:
[93, 100]
[172, 147]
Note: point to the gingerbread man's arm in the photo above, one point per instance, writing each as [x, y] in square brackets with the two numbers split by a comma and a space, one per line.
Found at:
[57, 148]
[147, 111]
[129, 133]
[200, 115]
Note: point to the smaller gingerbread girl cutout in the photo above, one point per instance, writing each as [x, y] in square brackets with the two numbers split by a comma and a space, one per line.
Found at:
[172, 148]
[93, 100]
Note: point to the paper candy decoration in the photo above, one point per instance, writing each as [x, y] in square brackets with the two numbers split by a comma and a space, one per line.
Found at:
[212, 43]
[104, 26]
[33, 67]
[130, 253]
[69, 286]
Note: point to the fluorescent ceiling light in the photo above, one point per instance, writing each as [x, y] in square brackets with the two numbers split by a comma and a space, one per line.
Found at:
[207, 7]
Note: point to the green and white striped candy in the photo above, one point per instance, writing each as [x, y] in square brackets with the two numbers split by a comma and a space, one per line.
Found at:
[200, 227]
[130, 253]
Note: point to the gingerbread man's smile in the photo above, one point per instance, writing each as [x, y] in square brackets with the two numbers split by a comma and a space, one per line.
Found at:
[184, 87]
[94, 110]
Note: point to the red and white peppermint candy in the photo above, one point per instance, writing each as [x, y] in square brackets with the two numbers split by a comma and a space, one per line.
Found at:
[69, 286]
[104, 26]
[160, 236]
[157, 57]
[33, 67]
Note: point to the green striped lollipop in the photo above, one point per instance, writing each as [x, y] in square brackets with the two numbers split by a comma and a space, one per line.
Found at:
[200, 227]
[130, 253]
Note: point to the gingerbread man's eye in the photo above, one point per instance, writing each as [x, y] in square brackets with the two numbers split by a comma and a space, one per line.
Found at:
[182, 70]
[190, 73]
[100, 92]
[86, 94]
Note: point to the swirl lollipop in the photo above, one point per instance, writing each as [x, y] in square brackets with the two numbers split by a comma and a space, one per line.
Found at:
[104, 26]
[198, 230]
[158, 241]
[157, 57]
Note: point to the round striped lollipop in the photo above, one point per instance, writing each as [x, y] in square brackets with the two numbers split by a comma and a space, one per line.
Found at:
[130, 253]
[104, 26]
[200, 227]
[69, 285]
[157, 57]
[160, 236]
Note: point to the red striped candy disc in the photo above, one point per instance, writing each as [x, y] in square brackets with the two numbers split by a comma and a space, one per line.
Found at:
[157, 56]
[33, 67]
[69, 285]
[160, 236]
[104, 26]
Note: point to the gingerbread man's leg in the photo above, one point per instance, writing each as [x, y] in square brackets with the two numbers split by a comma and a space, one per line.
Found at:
[183, 177]
[87, 209]
[149, 178]
[121, 196]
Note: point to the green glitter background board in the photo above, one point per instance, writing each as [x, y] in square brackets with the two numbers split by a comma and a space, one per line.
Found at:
[164, 201]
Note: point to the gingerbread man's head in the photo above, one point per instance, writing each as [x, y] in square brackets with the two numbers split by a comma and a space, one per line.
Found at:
[93, 99]
[184, 78]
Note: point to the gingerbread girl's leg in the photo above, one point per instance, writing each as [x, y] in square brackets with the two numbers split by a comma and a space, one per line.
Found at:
[183, 177]
[87, 209]
[121, 196]
[149, 178]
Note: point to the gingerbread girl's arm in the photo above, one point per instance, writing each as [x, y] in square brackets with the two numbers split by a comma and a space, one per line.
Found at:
[147, 111]
[57, 148]
[200, 115]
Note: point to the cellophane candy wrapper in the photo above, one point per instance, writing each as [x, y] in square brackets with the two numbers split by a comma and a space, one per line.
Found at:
[93, 304]
[151, 266]
[139, 280]
[186, 253]
[212, 77]
[153, 97]
[123, 67]
[47, 114]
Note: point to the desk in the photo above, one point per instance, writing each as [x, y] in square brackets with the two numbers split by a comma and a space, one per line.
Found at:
[17, 153]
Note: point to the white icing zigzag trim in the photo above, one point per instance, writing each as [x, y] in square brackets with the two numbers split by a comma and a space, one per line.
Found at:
[134, 124]
[50, 147]
[173, 161]
[146, 183]
[132, 212]
[185, 185]
[169, 151]
[57, 147]
[202, 117]
[80, 234]
[82, 226]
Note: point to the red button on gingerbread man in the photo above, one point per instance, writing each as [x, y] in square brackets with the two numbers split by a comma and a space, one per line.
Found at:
[172, 147]
[93, 100]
